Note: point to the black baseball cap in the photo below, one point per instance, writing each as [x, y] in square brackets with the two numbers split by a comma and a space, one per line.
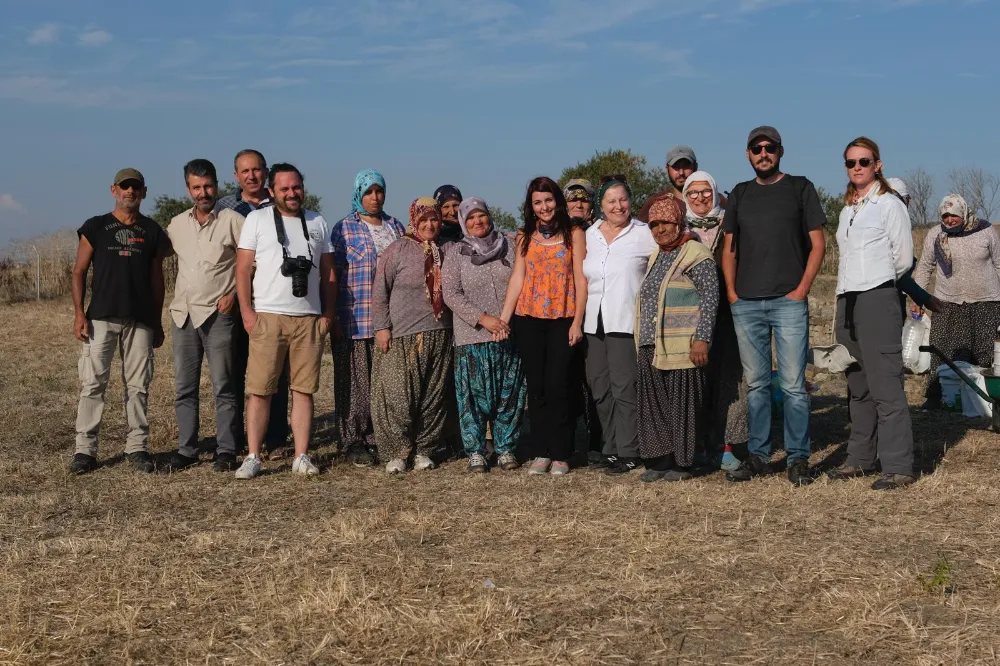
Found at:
[764, 132]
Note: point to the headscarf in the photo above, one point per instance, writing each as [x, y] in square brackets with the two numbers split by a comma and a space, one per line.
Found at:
[711, 219]
[598, 213]
[482, 250]
[419, 209]
[450, 231]
[365, 179]
[666, 208]
[953, 204]
[578, 188]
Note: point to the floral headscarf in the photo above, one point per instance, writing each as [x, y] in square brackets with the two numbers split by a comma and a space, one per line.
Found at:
[420, 209]
[666, 208]
[711, 219]
[364, 180]
[953, 204]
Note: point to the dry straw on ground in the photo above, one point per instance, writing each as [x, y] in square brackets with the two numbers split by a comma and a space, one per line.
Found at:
[442, 567]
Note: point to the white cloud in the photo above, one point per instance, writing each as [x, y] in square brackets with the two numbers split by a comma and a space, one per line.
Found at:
[78, 94]
[47, 33]
[94, 38]
[8, 202]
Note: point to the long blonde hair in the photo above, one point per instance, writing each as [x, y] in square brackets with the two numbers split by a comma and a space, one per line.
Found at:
[868, 144]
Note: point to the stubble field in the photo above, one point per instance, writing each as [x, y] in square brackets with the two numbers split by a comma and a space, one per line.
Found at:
[441, 567]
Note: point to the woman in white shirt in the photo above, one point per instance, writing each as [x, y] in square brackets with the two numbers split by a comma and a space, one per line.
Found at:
[876, 249]
[618, 249]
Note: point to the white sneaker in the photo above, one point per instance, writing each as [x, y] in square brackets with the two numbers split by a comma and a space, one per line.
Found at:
[421, 462]
[396, 466]
[304, 466]
[250, 467]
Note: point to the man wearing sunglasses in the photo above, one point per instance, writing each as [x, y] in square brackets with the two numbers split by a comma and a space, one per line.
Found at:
[774, 249]
[126, 249]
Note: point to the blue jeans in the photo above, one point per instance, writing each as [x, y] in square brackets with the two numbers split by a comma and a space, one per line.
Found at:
[789, 321]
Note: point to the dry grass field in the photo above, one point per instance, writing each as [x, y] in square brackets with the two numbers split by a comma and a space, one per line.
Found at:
[441, 567]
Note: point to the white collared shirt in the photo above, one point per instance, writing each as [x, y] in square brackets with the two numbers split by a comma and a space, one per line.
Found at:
[614, 274]
[875, 242]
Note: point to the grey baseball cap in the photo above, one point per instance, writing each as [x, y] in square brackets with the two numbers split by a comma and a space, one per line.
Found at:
[765, 132]
[681, 153]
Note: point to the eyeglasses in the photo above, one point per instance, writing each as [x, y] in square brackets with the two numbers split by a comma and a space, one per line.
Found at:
[130, 185]
[864, 162]
[620, 177]
[771, 148]
[704, 194]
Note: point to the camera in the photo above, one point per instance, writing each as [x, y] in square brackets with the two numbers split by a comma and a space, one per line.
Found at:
[298, 269]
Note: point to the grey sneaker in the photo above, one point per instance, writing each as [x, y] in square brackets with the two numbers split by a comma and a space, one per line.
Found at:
[250, 467]
[421, 462]
[304, 466]
[507, 462]
[539, 466]
[559, 468]
[396, 466]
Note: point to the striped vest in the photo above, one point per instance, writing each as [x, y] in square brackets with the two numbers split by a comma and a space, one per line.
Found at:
[678, 315]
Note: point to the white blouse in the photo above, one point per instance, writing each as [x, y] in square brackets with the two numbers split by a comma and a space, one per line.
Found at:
[614, 273]
[875, 242]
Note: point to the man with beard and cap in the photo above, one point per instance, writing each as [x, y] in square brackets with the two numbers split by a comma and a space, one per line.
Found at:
[448, 197]
[579, 195]
[774, 247]
[203, 316]
[126, 249]
[681, 163]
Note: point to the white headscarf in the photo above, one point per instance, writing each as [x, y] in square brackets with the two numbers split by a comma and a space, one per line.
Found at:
[714, 217]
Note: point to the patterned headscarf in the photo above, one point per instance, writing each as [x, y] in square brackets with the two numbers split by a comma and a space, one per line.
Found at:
[953, 204]
[711, 219]
[364, 180]
[666, 208]
[420, 209]
[450, 232]
[482, 250]
[578, 188]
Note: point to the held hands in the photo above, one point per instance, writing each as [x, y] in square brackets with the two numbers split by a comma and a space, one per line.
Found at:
[499, 328]
[575, 334]
[383, 340]
[699, 353]
[80, 327]
[225, 304]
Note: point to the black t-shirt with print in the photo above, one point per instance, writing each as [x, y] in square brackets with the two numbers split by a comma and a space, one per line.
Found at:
[123, 267]
[772, 225]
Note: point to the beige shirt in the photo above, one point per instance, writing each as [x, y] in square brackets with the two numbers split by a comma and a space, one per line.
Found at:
[206, 263]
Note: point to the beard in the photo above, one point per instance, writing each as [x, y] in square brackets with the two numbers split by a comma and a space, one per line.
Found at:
[767, 172]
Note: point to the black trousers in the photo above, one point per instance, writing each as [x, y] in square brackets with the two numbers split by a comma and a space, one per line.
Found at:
[548, 360]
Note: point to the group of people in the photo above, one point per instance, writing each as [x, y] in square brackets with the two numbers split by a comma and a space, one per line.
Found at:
[657, 325]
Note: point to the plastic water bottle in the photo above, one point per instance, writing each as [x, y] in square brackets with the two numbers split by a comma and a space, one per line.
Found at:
[913, 337]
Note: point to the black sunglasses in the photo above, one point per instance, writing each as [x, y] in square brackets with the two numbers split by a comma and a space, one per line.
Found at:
[771, 148]
[620, 177]
[864, 162]
[130, 185]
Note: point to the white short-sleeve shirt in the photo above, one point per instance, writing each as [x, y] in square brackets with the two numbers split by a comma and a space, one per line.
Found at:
[272, 291]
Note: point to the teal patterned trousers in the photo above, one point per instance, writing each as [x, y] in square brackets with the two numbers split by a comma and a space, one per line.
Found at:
[489, 384]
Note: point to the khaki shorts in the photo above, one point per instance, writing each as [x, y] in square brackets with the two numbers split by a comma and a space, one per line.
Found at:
[277, 339]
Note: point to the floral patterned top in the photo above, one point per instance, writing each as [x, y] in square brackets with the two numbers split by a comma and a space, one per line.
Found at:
[549, 289]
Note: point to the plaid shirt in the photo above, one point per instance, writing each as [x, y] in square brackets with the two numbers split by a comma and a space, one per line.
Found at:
[237, 203]
[355, 263]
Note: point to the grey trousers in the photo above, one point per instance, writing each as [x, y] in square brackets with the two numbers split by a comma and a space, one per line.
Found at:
[134, 342]
[870, 326]
[611, 372]
[214, 339]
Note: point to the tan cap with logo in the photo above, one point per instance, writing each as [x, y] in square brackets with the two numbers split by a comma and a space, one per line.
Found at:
[129, 174]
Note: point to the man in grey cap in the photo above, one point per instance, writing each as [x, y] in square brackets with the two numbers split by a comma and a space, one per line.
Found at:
[126, 249]
[773, 250]
[681, 163]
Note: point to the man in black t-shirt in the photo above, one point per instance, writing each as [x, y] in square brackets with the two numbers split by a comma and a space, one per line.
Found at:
[774, 249]
[126, 249]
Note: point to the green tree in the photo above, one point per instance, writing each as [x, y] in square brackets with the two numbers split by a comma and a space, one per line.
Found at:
[503, 220]
[643, 179]
[832, 205]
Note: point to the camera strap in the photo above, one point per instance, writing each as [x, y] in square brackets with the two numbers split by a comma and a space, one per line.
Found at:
[279, 227]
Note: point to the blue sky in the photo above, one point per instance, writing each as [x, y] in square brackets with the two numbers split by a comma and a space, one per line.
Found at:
[484, 94]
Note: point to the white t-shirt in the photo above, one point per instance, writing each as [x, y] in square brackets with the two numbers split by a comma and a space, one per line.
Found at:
[272, 291]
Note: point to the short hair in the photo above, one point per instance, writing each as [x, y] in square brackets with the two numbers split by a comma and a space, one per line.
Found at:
[282, 167]
[249, 151]
[200, 168]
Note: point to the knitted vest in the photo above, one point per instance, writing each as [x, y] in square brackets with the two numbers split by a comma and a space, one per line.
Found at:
[678, 314]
